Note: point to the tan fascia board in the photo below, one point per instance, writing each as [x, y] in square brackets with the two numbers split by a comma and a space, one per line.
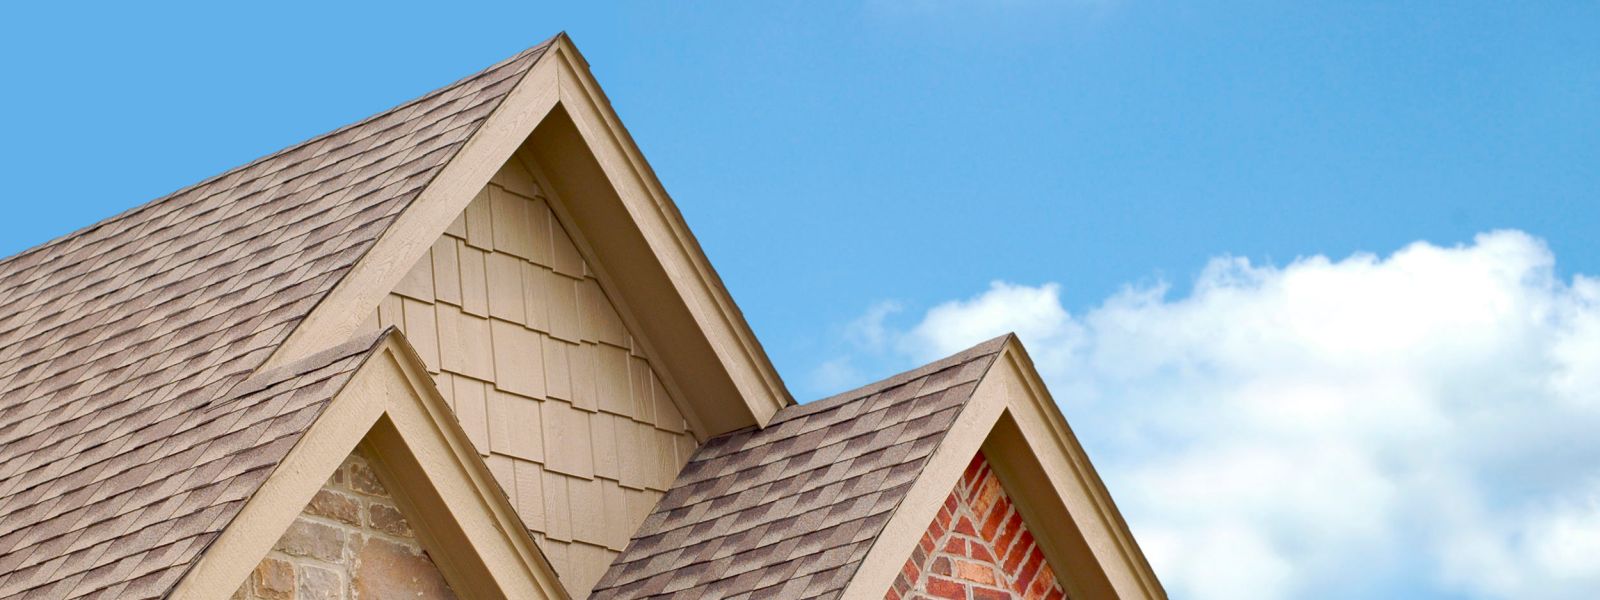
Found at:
[1014, 421]
[900, 535]
[429, 466]
[671, 242]
[1035, 441]
[730, 384]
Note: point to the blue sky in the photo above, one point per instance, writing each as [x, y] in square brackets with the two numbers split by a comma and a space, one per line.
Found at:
[869, 177]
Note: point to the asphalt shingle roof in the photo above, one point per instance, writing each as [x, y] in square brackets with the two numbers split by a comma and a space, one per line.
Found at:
[125, 441]
[790, 510]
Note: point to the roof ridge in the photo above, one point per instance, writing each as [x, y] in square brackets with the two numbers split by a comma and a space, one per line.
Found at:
[152, 203]
[990, 346]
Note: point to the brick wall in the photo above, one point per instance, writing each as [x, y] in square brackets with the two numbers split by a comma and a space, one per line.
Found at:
[543, 375]
[350, 543]
[977, 548]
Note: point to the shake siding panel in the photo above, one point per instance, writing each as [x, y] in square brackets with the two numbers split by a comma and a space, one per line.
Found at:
[568, 445]
[505, 288]
[583, 377]
[535, 293]
[479, 229]
[418, 282]
[530, 494]
[515, 179]
[557, 372]
[474, 280]
[446, 271]
[562, 294]
[604, 430]
[539, 220]
[421, 322]
[565, 258]
[510, 211]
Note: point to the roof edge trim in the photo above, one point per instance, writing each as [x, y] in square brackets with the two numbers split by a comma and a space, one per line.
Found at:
[340, 313]
[740, 351]
[1012, 401]
[391, 404]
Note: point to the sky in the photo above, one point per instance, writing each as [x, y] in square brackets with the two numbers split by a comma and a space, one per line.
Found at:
[1314, 282]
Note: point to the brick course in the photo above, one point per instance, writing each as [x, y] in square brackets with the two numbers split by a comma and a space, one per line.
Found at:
[977, 548]
[349, 543]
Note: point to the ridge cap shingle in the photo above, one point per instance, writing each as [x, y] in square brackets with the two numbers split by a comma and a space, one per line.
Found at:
[990, 346]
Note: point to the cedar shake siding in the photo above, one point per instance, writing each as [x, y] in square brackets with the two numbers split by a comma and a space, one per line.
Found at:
[543, 375]
[977, 548]
[350, 543]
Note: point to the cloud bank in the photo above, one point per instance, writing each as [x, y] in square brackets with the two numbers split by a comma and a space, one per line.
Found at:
[1425, 424]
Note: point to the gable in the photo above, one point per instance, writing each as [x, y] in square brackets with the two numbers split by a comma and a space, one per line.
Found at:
[1015, 425]
[434, 477]
[546, 379]
[559, 125]
[978, 546]
[834, 497]
[351, 541]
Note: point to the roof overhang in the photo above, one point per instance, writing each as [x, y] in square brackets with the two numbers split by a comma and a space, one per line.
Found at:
[1013, 420]
[425, 460]
[634, 237]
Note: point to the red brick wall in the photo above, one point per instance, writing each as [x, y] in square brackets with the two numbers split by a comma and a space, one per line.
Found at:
[977, 548]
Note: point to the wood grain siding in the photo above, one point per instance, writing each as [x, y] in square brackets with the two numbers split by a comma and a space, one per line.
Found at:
[543, 375]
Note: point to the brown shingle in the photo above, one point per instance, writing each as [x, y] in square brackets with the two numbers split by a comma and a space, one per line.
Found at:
[126, 439]
[792, 508]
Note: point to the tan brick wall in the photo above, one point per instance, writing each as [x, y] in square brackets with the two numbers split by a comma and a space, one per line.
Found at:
[350, 543]
[543, 375]
[977, 548]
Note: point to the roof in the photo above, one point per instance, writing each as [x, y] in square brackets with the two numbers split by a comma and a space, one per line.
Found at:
[122, 346]
[133, 534]
[792, 509]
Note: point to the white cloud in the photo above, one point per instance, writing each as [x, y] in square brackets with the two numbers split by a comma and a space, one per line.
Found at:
[1421, 422]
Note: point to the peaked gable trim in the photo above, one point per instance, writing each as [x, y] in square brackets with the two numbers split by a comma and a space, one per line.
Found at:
[638, 244]
[705, 299]
[1014, 422]
[429, 466]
